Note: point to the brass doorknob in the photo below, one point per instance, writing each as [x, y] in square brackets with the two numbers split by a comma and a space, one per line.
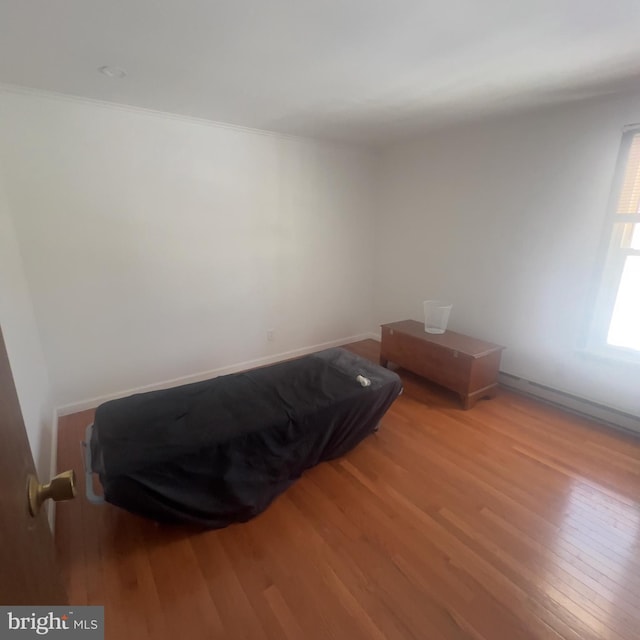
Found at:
[62, 487]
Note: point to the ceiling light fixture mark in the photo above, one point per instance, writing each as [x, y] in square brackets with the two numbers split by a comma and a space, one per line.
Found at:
[112, 72]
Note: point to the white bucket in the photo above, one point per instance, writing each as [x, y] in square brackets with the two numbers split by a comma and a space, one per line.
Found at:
[436, 315]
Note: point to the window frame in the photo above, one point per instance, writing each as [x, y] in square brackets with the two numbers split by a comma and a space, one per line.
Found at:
[612, 260]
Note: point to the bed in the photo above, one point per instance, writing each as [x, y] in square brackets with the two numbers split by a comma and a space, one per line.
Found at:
[219, 451]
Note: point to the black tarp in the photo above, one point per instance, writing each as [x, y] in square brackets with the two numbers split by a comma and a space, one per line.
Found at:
[219, 451]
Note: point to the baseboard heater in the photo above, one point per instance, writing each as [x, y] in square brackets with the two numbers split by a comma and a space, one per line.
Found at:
[581, 406]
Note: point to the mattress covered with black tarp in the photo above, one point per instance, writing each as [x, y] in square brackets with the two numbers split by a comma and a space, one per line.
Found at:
[219, 451]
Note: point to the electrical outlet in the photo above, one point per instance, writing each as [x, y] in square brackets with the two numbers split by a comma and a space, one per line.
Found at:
[271, 335]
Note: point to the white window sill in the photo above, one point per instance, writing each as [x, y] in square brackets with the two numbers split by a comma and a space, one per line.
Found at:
[612, 355]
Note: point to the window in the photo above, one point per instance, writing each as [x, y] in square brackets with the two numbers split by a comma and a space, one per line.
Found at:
[617, 320]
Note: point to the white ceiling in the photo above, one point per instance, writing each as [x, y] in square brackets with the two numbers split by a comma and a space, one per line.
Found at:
[360, 70]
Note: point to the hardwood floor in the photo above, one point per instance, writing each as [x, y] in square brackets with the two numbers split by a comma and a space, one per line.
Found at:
[510, 521]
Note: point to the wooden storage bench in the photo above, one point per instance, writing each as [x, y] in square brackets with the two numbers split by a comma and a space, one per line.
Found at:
[463, 364]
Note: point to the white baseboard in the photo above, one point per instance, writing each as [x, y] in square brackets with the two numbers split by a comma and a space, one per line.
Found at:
[92, 403]
[582, 406]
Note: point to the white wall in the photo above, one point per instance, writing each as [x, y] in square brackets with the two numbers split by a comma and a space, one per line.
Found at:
[158, 247]
[504, 218]
[23, 345]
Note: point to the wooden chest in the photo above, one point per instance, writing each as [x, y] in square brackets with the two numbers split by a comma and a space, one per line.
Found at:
[463, 364]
